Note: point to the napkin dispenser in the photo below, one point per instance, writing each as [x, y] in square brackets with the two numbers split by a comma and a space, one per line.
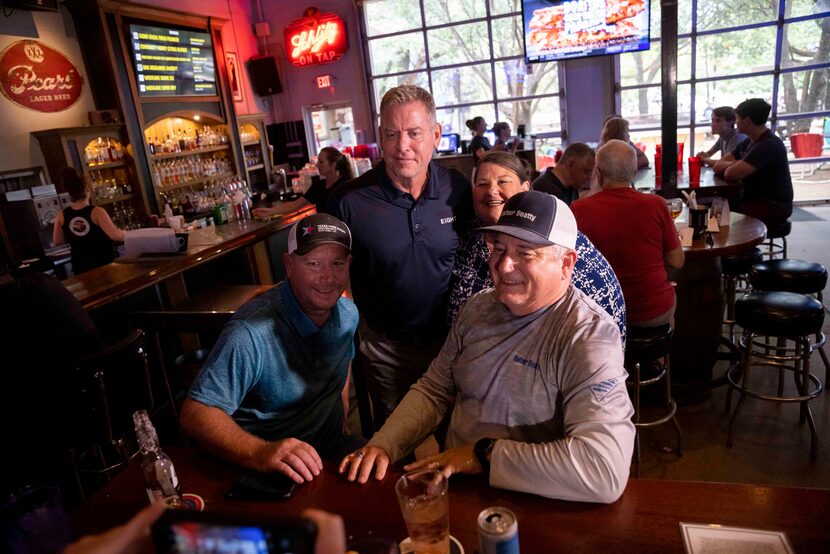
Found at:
[154, 241]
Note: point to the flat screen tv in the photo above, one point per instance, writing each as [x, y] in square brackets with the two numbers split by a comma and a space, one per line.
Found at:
[562, 29]
[172, 61]
[449, 143]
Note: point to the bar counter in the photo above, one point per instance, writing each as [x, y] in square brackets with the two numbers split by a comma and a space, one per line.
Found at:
[117, 280]
[644, 519]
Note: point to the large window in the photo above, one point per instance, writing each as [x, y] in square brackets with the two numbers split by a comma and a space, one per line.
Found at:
[731, 51]
[469, 54]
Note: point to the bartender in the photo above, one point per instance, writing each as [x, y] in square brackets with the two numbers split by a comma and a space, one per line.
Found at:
[88, 229]
[334, 169]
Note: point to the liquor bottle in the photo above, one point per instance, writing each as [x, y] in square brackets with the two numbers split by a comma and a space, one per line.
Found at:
[159, 474]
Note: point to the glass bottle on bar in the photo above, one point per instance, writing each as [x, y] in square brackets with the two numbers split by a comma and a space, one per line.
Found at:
[160, 479]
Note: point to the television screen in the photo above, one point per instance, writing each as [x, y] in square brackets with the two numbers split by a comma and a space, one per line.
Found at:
[562, 29]
[172, 61]
[449, 143]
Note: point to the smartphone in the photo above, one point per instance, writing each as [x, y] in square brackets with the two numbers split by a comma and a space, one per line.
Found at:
[185, 532]
[262, 486]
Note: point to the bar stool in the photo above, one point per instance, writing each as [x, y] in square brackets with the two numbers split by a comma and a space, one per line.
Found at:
[735, 270]
[773, 249]
[649, 347]
[790, 317]
[793, 276]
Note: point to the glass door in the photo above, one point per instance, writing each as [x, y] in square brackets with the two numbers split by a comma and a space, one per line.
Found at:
[329, 125]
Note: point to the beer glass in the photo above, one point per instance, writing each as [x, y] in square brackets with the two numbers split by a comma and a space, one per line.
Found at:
[425, 506]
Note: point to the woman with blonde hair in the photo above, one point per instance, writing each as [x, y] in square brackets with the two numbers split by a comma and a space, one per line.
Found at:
[616, 127]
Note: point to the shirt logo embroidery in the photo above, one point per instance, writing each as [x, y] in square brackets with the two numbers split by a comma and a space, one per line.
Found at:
[445, 220]
[525, 361]
[602, 389]
[79, 226]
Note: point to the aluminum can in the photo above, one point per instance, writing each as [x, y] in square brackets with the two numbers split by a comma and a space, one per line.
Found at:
[498, 531]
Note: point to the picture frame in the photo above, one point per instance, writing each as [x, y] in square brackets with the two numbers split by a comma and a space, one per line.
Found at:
[234, 81]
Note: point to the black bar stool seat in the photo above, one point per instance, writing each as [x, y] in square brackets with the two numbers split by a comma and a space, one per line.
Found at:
[734, 270]
[779, 231]
[648, 347]
[793, 319]
[741, 264]
[789, 275]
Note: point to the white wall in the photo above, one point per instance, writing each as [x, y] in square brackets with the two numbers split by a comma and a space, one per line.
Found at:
[56, 30]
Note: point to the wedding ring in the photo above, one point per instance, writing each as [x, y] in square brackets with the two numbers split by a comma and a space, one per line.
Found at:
[433, 465]
[360, 454]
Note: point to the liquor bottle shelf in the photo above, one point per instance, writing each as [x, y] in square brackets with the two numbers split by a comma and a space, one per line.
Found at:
[113, 199]
[194, 182]
[171, 155]
[254, 167]
[97, 166]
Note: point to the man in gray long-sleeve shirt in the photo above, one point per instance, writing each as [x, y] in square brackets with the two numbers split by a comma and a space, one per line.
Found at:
[532, 372]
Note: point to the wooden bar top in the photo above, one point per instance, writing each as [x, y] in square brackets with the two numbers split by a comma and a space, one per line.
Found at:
[645, 519]
[117, 280]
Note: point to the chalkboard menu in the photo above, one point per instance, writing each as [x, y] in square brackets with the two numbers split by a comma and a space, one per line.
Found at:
[172, 61]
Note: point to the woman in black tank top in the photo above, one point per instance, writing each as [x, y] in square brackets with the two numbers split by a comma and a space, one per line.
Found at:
[88, 229]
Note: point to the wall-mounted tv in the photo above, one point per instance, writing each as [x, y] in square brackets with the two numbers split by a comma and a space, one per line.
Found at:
[562, 29]
[172, 61]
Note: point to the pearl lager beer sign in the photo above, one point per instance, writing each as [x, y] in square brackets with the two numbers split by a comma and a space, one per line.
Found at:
[38, 77]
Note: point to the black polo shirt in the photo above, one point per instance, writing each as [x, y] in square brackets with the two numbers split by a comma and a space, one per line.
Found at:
[403, 249]
[548, 182]
[771, 180]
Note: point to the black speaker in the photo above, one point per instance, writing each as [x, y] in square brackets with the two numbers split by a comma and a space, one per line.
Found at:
[264, 75]
[32, 5]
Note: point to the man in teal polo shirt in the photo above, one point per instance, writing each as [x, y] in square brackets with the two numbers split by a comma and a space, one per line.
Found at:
[269, 395]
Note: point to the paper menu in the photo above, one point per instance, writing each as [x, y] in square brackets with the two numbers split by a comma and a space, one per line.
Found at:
[699, 538]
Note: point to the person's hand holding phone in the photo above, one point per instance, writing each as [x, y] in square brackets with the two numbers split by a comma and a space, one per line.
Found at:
[293, 458]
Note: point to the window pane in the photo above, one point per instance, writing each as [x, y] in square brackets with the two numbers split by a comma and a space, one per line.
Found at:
[398, 53]
[642, 107]
[508, 34]
[540, 115]
[794, 98]
[512, 79]
[643, 68]
[803, 7]
[458, 44]
[648, 140]
[385, 83]
[462, 85]
[801, 46]
[453, 120]
[390, 16]
[441, 11]
[546, 152]
[505, 6]
[655, 19]
[736, 52]
[717, 14]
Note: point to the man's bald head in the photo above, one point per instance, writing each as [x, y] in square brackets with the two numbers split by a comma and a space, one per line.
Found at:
[616, 162]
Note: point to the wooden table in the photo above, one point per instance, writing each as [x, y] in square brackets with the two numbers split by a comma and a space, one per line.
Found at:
[710, 184]
[645, 519]
[700, 305]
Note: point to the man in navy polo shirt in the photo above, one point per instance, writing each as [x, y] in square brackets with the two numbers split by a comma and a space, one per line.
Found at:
[405, 215]
[269, 397]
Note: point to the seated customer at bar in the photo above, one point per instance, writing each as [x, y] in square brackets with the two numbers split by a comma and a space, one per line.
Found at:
[723, 125]
[498, 176]
[616, 127]
[572, 173]
[636, 234]
[761, 165]
[532, 371]
[271, 395]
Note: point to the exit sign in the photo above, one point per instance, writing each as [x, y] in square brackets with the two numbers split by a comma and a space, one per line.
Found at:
[324, 81]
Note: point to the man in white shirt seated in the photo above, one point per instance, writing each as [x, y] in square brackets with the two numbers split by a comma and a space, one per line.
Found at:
[532, 372]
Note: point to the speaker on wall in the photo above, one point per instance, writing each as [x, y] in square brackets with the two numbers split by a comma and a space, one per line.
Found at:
[264, 75]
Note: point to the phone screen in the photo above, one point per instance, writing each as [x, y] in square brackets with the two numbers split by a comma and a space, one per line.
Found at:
[208, 533]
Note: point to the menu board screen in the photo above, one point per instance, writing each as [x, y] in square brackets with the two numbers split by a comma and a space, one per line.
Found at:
[561, 29]
[172, 62]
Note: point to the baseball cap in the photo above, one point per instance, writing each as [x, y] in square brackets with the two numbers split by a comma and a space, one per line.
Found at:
[315, 230]
[538, 218]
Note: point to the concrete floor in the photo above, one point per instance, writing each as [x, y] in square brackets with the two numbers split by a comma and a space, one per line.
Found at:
[770, 446]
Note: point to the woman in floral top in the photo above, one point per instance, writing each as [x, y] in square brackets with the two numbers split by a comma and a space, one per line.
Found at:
[498, 176]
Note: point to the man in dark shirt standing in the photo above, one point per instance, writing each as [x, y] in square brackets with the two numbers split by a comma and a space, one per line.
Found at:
[572, 173]
[405, 215]
[761, 165]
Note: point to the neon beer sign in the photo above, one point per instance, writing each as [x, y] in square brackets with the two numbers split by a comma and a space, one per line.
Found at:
[316, 39]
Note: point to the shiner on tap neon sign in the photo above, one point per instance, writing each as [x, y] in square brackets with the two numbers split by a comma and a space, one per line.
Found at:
[316, 38]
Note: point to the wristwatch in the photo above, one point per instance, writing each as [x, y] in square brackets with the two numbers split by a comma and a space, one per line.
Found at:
[482, 449]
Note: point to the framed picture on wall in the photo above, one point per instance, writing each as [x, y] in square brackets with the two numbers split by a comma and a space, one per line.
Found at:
[233, 76]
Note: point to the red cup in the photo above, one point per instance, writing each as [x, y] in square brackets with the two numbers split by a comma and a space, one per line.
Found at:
[658, 167]
[695, 163]
[680, 157]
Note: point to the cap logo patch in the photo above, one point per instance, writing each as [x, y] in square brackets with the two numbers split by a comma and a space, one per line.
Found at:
[307, 230]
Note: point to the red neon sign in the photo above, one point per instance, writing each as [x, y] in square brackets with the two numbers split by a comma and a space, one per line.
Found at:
[316, 40]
